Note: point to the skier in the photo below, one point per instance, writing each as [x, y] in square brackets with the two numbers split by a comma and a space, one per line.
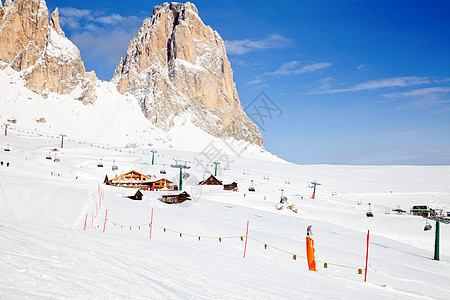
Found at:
[7, 164]
[1, 163]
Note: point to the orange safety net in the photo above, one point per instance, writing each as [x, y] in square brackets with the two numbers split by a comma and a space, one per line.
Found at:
[310, 254]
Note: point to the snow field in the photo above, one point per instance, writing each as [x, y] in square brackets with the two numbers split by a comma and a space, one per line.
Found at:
[47, 255]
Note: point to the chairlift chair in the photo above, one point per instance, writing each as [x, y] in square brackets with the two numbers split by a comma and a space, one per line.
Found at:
[49, 156]
[369, 213]
[56, 159]
[100, 163]
[251, 188]
[427, 226]
[7, 148]
[163, 170]
[114, 166]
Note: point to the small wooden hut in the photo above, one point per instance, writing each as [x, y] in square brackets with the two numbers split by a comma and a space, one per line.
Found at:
[211, 180]
[230, 187]
[176, 199]
[137, 196]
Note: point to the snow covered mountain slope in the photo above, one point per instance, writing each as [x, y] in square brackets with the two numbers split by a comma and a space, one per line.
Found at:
[46, 254]
[113, 119]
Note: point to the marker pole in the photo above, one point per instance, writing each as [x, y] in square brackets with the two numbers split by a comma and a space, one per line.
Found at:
[367, 256]
[151, 225]
[246, 236]
[85, 220]
[104, 224]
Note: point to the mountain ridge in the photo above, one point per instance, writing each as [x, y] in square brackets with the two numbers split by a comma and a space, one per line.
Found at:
[192, 82]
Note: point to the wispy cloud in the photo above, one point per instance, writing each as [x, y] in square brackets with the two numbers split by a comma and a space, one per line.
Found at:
[256, 82]
[424, 98]
[380, 83]
[362, 67]
[102, 38]
[295, 67]
[239, 47]
[85, 19]
[430, 91]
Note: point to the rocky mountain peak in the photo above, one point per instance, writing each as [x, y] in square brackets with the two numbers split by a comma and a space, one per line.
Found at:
[39, 49]
[178, 69]
[54, 22]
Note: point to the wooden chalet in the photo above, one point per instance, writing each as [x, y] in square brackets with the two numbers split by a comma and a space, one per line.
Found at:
[176, 199]
[163, 184]
[211, 180]
[230, 187]
[132, 179]
[137, 196]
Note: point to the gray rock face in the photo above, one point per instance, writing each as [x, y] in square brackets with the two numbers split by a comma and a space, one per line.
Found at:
[177, 68]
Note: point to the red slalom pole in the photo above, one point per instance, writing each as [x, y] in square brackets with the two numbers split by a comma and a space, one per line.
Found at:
[85, 220]
[246, 236]
[151, 225]
[104, 225]
[367, 256]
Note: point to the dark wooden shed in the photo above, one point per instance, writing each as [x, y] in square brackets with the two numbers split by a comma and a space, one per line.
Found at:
[176, 199]
[137, 196]
[230, 187]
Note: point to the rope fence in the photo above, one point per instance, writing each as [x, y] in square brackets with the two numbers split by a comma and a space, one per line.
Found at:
[149, 225]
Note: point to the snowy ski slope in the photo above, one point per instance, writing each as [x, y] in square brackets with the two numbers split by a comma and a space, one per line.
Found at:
[46, 254]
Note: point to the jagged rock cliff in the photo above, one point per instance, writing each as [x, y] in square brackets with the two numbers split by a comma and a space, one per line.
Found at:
[177, 68]
[39, 48]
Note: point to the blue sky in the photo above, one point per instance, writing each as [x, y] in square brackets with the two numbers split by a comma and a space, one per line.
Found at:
[356, 82]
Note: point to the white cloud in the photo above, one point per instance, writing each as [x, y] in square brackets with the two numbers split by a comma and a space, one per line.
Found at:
[238, 47]
[362, 67]
[102, 38]
[85, 19]
[381, 83]
[430, 91]
[294, 67]
[256, 81]
[423, 99]
[71, 12]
